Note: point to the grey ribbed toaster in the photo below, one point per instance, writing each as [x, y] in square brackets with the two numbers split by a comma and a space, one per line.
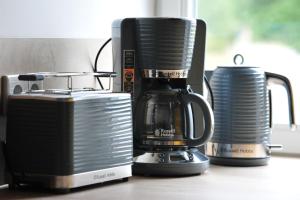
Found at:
[65, 139]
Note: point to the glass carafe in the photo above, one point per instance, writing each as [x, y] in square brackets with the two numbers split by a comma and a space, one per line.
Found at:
[164, 118]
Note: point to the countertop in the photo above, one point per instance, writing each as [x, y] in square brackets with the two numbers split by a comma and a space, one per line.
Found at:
[278, 180]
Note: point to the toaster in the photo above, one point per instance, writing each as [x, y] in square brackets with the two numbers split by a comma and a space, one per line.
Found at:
[64, 139]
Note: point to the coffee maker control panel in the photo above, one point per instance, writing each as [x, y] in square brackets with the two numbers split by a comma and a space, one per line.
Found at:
[128, 71]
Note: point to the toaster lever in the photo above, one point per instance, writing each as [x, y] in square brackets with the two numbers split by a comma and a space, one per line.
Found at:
[31, 77]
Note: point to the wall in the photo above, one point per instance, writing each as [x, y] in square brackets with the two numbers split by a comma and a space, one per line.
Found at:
[20, 55]
[66, 18]
[60, 35]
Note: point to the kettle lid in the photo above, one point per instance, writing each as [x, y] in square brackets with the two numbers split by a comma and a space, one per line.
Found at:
[238, 60]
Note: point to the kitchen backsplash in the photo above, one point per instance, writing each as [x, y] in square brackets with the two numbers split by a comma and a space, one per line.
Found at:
[59, 55]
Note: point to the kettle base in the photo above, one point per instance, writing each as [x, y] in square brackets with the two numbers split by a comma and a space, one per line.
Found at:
[171, 163]
[241, 162]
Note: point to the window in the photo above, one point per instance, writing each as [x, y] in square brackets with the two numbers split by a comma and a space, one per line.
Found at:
[267, 34]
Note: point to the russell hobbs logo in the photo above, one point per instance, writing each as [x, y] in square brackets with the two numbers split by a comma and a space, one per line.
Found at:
[234, 150]
[103, 176]
[173, 74]
[164, 133]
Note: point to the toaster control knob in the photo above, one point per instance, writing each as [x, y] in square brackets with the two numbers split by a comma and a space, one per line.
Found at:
[18, 89]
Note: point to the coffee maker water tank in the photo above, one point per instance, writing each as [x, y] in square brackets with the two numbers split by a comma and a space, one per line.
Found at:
[126, 56]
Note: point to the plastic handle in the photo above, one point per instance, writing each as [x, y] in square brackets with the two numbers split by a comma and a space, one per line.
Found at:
[284, 81]
[208, 116]
[270, 109]
[31, 77]
[209, 91]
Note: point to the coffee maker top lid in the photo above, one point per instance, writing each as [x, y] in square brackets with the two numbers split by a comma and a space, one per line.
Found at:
[165, 44]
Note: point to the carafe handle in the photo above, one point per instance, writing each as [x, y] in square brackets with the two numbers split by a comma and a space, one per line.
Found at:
[284, 81]
[208, 118]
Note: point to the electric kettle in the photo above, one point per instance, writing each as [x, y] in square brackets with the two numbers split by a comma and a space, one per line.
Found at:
[243, 115]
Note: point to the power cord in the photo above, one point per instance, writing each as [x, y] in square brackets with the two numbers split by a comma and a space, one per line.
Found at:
[95, 69]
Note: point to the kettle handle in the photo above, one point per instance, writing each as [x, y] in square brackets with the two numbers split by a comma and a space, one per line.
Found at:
[284, 81]
[206, 81]
[270, 109]
[208, 116]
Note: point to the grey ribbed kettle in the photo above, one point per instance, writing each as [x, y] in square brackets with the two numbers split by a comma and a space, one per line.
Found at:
[243, 115]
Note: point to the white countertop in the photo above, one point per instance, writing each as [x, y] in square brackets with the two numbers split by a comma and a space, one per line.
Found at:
[279, 180]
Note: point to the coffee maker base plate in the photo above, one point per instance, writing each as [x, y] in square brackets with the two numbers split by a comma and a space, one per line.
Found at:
[241, 162]
[171, 163]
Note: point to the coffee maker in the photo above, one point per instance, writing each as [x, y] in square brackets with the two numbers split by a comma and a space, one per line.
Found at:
[160, 62]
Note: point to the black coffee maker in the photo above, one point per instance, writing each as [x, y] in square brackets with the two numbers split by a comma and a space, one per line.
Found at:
[161, 64]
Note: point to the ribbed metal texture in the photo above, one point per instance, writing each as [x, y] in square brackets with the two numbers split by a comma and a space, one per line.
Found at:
[102, 133]
[241, 107]
[56, 137]
[34, 137]
[165, 43]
